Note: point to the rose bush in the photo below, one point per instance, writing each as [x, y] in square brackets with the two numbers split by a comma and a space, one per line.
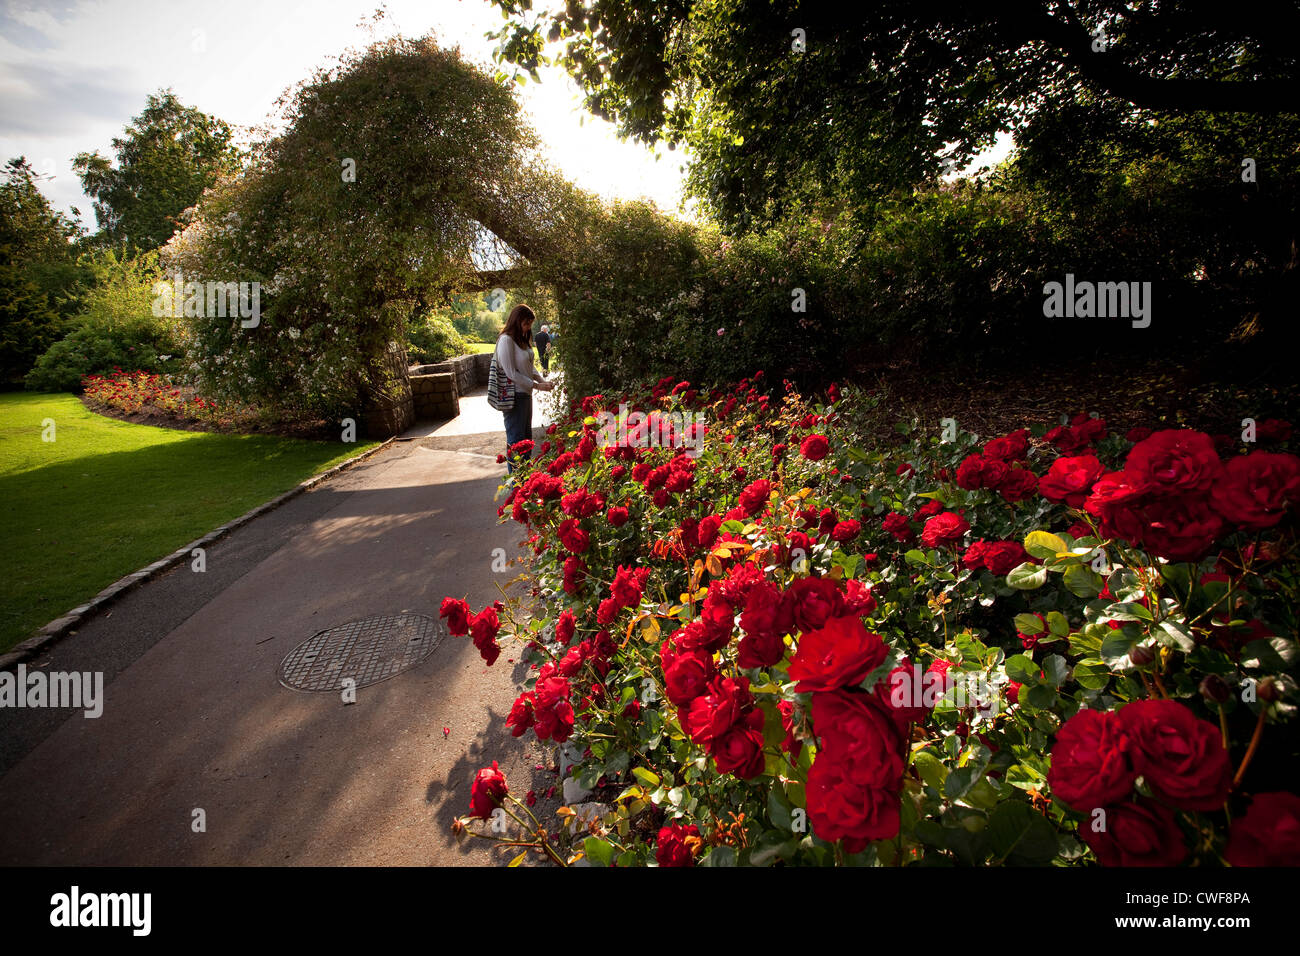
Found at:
[1057, 646]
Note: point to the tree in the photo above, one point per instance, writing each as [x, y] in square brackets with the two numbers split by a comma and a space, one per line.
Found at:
[373, 201]
[38, 271]
[167, 157]
[784, 101]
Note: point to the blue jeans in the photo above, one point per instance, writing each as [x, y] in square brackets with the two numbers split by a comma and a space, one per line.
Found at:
[519, 424]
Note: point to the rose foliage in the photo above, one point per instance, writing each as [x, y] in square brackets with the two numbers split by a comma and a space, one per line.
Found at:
[1057, 646]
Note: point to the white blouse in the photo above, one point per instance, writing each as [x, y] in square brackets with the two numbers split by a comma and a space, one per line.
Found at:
[517, 363]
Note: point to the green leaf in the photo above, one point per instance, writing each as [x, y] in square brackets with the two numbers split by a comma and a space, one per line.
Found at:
[778, 809]
[720, 856]
[772, 845]
[1041, 696]
[598, 851]
[1176, 635]
[1020, 836]
[1082, 581]
[1044, 544]
[915, 556]
[1026, 577]
[1028, 624]
[648, 777]
[1091, 674]
[1057, 624]
[1128, 612]
[1055, 669]
[931, 769]
[1022, 669]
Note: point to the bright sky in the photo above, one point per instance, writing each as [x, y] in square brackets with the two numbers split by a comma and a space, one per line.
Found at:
[74, 72]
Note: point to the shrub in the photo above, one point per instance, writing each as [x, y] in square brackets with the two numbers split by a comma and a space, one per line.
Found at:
[1052, 647]
[433, 339]
[115, 327]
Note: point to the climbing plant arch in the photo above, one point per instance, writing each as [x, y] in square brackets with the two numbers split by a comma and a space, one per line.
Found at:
[390, 168]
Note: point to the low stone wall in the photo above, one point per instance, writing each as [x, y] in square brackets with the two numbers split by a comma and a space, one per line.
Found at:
[470, 370]
[435, 396]
[437, 388]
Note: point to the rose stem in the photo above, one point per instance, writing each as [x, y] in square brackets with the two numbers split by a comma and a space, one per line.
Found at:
[1250, 751]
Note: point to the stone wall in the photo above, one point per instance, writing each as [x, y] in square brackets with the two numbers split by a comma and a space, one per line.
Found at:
[435, 396]
[471, 371]
[437, 388]
[390, 412]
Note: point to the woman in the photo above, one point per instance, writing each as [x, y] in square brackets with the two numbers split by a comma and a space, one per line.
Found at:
[515, 360]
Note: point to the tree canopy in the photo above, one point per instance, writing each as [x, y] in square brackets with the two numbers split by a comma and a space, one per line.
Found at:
[787, 101]
[165, 158]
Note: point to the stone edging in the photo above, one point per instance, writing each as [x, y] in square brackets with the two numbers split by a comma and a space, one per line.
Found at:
[61, 627]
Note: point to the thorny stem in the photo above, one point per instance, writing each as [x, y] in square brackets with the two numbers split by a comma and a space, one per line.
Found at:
[1250, 751]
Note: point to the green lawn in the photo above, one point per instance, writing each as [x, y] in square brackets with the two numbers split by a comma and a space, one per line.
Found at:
[106, 498]
[477, 347]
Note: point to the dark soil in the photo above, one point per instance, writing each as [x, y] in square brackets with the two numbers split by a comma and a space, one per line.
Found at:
[311, 430]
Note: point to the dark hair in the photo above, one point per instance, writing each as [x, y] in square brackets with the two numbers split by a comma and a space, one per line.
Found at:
[515, 326]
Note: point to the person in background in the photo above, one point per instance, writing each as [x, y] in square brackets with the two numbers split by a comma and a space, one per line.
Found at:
[543, 339]
[514, 356]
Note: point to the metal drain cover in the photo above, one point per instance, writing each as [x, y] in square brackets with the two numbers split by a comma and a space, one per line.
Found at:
[368, 651]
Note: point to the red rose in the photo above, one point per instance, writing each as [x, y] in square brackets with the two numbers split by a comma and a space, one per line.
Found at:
[813, 601]
[841, 654]
[521, 715]
[708, 530]
[564, 627]
[815, 447]
[686, 672]
[1257, 488]
[457, 614]
[1091, 762]
[754, 497]
[840, 808]
[856, 730]
[1019, 484]
[487, 792]
[1002, 556]
[896, 524]
[739, 751]
[944, 529]
[678, 845]
[1070, 480]
[858, 599]
[1068, 439]
[766, 620]
[928, 510]
[973, 559]
[791, 745]
[845, 531]
[575, 572]
[552, 712]
[905, 470]
[1179, 460]
[1268, 834]
[1177, 528]
[994, 472]
[617, 516]
[573, 537]
[970, 473]
[1179, 756]
[1141, 833]
[1141, 433]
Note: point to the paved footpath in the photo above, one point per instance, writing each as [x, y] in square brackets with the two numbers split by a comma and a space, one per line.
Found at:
[194, 716]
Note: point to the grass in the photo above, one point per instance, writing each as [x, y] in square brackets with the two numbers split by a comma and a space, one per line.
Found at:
[106, 498]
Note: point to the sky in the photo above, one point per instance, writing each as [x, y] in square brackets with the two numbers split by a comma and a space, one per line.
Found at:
[74, 72]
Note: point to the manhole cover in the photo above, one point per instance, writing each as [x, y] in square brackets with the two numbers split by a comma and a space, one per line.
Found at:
[367, 651]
